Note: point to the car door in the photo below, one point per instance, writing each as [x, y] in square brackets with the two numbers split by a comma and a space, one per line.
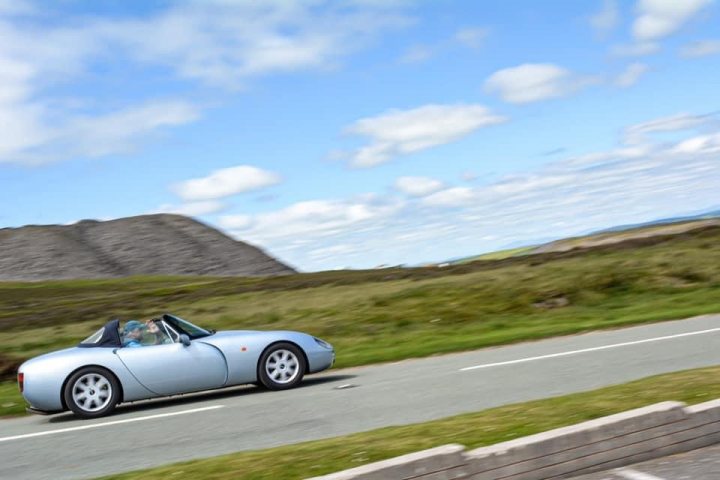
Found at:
[176, 368]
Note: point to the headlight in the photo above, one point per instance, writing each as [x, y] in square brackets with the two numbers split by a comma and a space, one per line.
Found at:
[323, 343]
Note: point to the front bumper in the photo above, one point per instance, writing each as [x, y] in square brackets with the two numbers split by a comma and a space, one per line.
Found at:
[320, 360]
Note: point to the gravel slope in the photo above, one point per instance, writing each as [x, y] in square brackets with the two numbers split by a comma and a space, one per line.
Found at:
[143, 245]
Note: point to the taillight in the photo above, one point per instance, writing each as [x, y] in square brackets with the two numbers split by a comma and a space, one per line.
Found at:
[21, 381]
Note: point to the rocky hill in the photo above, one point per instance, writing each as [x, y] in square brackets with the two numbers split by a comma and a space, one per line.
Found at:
[144, 245]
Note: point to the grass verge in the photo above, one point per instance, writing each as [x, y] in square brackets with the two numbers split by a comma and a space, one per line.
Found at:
[472, 430]
[11, 402]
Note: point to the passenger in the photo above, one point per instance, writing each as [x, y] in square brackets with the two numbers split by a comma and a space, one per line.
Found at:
[132, 334]
[154, 327]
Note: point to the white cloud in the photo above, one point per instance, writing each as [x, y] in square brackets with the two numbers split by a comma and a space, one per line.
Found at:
[310, 220]
[236, 222]
[20, 124]
[521, 184]
[700, 144]
[28, 138]
[401, 132]
[638, 134]
[631, 75]
[120, 131]
[659, 18]
[471, 37]
[701, 48]
[216, 43]
[417, 54]
[607, 18]
[532, 82]
[37, 128]
[338, 252]
[15, 7]
[596, 159]
[226, 182]
[451, 197]
[192, 209]
[418, 186]
[636, 49]
[469, 176]
[222, 43]
[15, 77]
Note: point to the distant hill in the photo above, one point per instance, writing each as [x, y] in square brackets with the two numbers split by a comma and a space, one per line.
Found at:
[662, 221]
[608, 236]
[144, 245]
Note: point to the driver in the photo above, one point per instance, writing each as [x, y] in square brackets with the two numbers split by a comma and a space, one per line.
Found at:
[132, 334]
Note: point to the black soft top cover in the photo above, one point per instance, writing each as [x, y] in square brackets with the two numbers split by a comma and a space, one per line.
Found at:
[110, 337]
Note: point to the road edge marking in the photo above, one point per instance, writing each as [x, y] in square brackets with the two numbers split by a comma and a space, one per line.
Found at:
[106, 424]
[592, 349]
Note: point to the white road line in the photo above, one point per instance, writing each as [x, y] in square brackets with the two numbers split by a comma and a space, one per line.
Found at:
[593, 349]
[635, 475]
[107, 424]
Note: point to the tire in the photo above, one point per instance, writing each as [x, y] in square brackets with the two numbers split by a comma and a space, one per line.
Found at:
[281, 366]
[92, 392]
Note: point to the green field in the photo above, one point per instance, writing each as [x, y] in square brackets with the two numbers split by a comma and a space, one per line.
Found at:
[389, 314]
[472, 430]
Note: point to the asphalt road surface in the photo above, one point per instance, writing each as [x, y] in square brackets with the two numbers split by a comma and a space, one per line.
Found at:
[345, 401]
[701, 464]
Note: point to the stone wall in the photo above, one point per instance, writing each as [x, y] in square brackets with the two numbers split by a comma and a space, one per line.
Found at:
[629, 437]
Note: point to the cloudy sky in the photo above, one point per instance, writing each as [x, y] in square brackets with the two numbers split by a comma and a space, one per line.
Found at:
[361, 132]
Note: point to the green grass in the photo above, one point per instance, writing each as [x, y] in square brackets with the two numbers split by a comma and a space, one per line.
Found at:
[472, 430]
[390, 314]
[11, 402]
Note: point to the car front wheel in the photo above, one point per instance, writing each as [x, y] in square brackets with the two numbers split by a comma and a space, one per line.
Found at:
[92, 392]
[282, 366]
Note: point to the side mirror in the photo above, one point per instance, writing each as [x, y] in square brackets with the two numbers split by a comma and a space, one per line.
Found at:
[185, 340]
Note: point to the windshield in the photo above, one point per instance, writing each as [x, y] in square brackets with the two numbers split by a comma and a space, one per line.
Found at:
[192, 331]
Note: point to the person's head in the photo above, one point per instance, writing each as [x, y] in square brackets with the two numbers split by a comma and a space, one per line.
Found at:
[152, 326]
[133, 329]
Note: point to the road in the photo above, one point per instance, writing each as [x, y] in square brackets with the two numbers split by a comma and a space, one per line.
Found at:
[202, 425]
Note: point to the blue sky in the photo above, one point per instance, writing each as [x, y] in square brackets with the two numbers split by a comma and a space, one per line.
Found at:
[365, 132]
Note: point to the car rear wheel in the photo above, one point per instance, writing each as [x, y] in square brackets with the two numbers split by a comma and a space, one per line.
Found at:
[92, 392]
[282, 366]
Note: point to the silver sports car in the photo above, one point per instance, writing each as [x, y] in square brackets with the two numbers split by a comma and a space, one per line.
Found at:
[165, 356]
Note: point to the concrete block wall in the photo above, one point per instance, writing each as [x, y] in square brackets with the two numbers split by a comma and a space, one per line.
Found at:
[622, 439]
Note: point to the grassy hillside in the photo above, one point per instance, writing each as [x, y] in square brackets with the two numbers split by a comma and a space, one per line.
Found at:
[382, 315]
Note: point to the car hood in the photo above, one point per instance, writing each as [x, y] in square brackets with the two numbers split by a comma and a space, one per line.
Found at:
[246, 333]
[224, 336]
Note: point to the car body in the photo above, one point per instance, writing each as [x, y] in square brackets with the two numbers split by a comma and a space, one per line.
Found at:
[91, 378]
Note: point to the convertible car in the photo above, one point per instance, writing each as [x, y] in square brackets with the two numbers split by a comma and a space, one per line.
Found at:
[174, 357]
